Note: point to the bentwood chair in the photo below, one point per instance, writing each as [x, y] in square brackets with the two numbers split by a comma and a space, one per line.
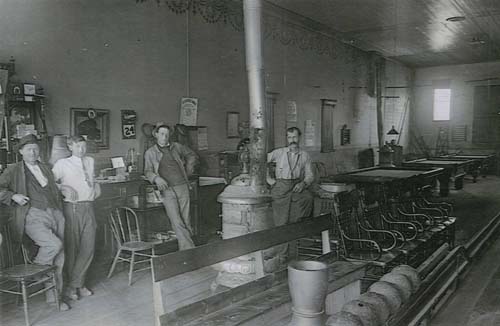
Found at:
[28, 279]
[125, 227]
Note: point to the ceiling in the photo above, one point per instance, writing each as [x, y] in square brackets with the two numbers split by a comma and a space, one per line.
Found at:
[414, 32]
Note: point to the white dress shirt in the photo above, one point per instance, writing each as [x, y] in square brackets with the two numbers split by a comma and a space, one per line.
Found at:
[78, 173]
[292, 165]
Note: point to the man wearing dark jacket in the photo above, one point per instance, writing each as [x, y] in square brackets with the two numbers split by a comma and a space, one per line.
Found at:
[29, 186]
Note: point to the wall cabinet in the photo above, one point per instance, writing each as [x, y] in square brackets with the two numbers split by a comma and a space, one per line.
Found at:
[22, 111]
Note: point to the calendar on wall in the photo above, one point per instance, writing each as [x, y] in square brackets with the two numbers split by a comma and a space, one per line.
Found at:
[129, 119]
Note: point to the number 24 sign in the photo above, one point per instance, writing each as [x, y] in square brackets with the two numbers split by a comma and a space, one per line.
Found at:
[128, 131]
[129, 118]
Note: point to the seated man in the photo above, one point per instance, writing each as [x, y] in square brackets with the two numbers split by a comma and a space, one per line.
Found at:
[292, 199]
[29, 186]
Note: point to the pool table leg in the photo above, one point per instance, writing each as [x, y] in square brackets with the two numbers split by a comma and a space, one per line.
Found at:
[444, 184]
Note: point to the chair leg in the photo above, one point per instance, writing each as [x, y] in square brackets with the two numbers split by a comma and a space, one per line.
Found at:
[25, 302]
[131, 270]
[115, 260]
[18, 298]
[56, 290]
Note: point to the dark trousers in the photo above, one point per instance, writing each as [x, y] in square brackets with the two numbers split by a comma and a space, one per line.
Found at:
[176, 202]
[288, 206]
[79, 241]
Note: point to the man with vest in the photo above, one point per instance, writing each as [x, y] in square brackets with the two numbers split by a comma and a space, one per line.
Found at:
[168, 165]
[30, 188]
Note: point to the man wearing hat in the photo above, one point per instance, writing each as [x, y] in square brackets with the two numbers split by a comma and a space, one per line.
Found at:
[30, 188]
[167, 165]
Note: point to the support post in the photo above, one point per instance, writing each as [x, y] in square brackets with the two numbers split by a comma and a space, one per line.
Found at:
[253, 49]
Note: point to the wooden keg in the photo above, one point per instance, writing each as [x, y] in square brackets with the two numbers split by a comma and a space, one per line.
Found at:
[411, 273]
[365, 311]
[390, 292]
[401, 282]
[379, 304]
[344, 318]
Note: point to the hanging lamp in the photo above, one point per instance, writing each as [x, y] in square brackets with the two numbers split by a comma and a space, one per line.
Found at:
[393, 131]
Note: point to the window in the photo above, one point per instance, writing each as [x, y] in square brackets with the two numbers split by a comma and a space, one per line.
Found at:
[327, 126]
[442, 98]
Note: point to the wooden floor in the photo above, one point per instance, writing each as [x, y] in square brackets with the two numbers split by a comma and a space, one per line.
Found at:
[115, 303]
[477, 300]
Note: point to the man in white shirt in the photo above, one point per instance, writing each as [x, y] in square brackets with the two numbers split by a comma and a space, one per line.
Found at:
[75, 178]
[292, 199]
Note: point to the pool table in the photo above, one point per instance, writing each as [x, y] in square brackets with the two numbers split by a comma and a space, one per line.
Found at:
[482, 162]
[393, 179]
[453, 168]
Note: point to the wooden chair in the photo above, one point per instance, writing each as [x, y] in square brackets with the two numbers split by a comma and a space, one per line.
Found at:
[125, 227]
[20, 279]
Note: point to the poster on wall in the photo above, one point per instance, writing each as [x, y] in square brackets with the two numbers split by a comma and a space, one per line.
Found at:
[129, 119]
[310, 131]
[291, 111]
[202, 139]
[189, 111]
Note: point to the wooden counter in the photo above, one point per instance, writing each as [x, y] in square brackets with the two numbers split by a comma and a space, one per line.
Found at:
[205, 209]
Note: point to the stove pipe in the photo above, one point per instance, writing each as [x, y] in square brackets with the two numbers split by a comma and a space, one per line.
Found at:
[253, 46]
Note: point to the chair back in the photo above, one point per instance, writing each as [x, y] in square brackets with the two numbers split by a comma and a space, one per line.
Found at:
[347, 224]
[348, 200]
[124, 225]
[6, 249]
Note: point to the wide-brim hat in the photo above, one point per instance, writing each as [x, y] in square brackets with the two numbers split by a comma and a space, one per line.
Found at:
[159, 124]
[28, 139]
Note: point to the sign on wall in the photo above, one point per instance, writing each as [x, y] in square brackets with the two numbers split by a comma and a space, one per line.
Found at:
[129, 119]
[189, 111]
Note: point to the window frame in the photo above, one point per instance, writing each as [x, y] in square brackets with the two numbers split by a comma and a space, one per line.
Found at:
[434, 104]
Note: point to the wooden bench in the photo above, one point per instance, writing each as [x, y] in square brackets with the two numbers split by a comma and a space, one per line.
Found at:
[183, 281]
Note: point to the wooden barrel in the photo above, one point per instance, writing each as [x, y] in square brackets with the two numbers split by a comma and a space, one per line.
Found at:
[401, 282]
[411, 273]
[344, 318]
[379, 303]
[365, 311]
[390, 292]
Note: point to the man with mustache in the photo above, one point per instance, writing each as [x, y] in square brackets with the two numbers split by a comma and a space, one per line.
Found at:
[291, 198]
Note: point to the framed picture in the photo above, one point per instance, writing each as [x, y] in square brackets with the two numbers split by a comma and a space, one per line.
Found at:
[29, 89]
[93, 124]
[21, 119]
[232, 121]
